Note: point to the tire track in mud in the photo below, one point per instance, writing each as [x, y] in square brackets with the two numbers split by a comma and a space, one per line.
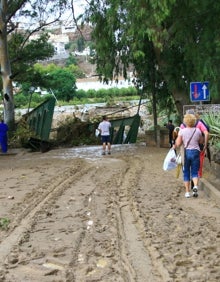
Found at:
[177, 232]
[110, 219]
[124, 248]
[99, 255]
[99, 249]
[124, 253]
[142, 256]
[34, 203]
[93, 251]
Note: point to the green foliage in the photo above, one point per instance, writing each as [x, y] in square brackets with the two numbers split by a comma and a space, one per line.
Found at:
[60, 80]
[22, 134]
[110, 96]
[80, 44]
[22, 101]
[213, 120]
[167, 42]
[76, 71]
[24, 56]
[71, 60]
[16, 61]
[104, 95]
[4, 223]
[36, 100]
[71, 46]
[71, 65]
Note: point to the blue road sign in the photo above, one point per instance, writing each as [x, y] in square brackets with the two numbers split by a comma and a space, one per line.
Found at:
[199, 91]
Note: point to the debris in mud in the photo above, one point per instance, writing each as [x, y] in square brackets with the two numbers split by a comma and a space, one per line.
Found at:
[75, 132]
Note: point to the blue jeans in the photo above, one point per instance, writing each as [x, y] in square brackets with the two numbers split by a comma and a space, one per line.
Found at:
[191, 164]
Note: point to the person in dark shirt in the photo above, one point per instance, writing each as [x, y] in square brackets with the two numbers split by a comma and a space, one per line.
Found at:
[4, 136]
[170, 127]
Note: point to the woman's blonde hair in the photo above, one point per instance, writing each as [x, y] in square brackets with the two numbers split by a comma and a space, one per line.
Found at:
[189, 120]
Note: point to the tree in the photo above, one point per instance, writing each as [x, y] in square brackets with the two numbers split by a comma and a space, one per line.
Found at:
[23, 59]
[60, 80]
[124, 34]
[192, 49]
[169, 42]
[62, 83]
[76, 71]
[35, 13]
[80, 44]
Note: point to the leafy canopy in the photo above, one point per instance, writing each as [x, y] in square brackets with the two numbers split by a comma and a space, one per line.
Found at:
[170, 42]
[60, 80]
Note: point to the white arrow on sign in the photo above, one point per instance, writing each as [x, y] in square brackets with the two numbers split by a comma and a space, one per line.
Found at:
[204, 88]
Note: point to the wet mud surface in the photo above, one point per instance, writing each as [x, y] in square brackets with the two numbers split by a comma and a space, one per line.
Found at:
[78, 216]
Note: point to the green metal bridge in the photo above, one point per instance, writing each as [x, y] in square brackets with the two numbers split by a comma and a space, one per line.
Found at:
[123, 130]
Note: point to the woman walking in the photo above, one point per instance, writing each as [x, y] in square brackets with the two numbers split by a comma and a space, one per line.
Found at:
[190, 137]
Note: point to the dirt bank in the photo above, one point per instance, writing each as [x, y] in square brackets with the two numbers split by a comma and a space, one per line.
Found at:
[78, 216]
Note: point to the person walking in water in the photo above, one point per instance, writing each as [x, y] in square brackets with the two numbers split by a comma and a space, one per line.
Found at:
[104, 129]
[4, 136]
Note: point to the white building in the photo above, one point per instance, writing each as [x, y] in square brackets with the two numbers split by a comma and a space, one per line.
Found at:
[59, 41]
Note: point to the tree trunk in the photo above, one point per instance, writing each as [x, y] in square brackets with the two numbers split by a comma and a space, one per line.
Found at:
[180, 99]
[154, 108]
[7, 89]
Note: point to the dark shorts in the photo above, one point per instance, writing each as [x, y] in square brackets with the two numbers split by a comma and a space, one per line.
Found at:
[105, 139]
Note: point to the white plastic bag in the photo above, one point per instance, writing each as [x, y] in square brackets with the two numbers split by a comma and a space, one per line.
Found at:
[97, 132]
[170, 160]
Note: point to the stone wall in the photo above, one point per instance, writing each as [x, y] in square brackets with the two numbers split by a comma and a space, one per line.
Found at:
[211, 173]
[162, 136]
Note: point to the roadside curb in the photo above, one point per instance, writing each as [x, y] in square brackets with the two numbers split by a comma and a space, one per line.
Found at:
[210, 190]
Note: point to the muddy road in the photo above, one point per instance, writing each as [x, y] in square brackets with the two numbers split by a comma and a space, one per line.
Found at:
[78, 216]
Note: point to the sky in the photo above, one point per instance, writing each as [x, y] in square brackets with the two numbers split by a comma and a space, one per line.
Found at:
[79, 7]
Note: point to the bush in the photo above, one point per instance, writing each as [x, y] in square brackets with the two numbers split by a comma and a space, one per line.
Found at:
[213, 120]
